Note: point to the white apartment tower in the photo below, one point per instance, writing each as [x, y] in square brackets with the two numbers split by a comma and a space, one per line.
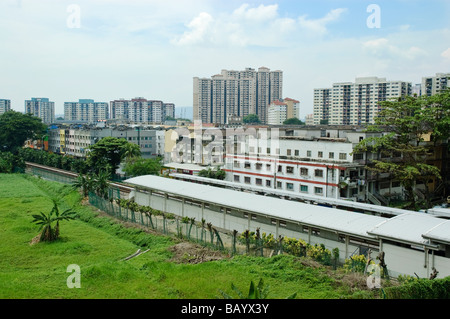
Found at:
[86, 110]
[433, 84]
[42, 108]
[141, 110]
[357, 103]
[236, 94]
[5, 106]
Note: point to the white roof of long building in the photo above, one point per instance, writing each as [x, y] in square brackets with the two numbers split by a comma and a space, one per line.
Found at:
[408, 227]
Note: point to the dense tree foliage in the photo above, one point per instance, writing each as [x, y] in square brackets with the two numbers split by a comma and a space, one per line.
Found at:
[216, 174]
[16, 128]
[413, 126]
[251, 119]
[142, 166]
[109, 152]
[293, 121]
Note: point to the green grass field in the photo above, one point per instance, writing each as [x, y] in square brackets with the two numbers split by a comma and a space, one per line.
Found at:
[98, 244]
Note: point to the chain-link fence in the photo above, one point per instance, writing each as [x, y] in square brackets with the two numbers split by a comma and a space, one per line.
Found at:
[183, 228]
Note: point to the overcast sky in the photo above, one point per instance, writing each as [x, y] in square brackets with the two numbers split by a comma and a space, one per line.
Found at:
[111, 49]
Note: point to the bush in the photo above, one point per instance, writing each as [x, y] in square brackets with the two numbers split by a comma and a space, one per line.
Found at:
[420, 289]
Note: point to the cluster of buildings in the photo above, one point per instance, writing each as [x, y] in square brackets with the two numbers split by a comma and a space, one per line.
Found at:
[232, 94]
[137, 110]
[357, 103]
[308, 160]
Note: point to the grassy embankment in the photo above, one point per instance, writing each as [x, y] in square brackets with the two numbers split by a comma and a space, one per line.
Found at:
[98, 244]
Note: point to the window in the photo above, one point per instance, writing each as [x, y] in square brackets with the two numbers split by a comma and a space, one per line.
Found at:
[303, 188]
[303, 171]
[342, 156]
[296, 152]
[318, 190]
[247, 180]
[268, 167]
[268, 182]
[236, 178]
[258, 166]
[288, 152]
[247, 165]
[358, 156]
[279, 185]
[319, 154]
[331, 155]
[268, 150]
[280, 168]
[290, 169]
[258, 181]
[289, 186]
[308, 153]
[236, 164]
[318, 173]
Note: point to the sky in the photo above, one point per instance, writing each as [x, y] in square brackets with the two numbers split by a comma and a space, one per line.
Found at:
[104, 50]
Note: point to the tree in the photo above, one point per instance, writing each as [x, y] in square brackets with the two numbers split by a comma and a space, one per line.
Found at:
[209, 173]
[131, 151]
[142, 166]
[251, 119]
[46, 221]
[405, 123]
[16, 128]
[293, 121]
[107, 154]
[83, 182]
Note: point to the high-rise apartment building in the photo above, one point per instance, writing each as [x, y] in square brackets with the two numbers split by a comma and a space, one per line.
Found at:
[433, 84]
[236, 94]
[141, 110]
[5, 106]
[42, 108]
[357, 103]
[86, 110]
[276, 113]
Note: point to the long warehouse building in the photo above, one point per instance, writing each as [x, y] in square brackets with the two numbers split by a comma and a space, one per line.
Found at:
[413, 243]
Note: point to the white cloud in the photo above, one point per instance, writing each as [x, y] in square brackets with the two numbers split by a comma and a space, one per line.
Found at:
[199, 27]
[261, 13]
[320, 25]
[260, 26]
[383, 48]
[446, 54]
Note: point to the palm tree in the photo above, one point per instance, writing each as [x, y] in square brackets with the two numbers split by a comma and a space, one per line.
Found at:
[101, 184]
[83, 182]
[131, 151]
[45, 221]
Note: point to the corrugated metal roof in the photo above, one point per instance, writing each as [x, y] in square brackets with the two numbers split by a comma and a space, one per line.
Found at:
[440, 233]
[322, 217]
[408, 227]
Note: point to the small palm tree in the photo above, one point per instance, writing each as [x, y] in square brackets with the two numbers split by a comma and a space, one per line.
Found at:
[259, 291]
[83, 182]
[46, 221]
[101, 184]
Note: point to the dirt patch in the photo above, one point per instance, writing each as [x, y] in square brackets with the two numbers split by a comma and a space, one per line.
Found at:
[190, 253]
[35, 240]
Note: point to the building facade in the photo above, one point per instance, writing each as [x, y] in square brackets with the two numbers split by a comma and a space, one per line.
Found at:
[42, 108]
[86, 110]
[5, 106]
[433, 84]
[75, 140]
[141, 110]
[357, 103]
[236, 93]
